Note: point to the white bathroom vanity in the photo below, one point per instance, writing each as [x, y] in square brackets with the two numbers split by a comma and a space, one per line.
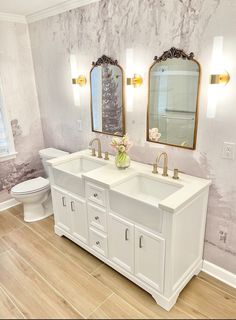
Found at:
[148, 227]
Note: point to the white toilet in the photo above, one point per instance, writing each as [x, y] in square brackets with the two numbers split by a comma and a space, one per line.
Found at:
[35, 193]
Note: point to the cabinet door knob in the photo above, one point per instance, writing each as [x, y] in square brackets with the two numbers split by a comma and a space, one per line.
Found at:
[98, 243]
[95, 195]
[96, 218]
[72, 206]
[140, 242]
[126, 234]
[64, 201]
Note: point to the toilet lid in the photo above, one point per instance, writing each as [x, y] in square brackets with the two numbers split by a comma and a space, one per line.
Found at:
[30, 186]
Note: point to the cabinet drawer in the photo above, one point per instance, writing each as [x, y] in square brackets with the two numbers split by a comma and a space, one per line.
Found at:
[97, 217]
[96, 194]
[98, 241]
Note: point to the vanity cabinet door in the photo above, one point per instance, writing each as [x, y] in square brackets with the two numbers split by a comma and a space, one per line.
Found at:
[79, 225]
[149, 258]
[121, 242]
[61, 210]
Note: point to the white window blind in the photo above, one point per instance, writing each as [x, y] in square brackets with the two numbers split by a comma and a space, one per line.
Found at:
[4, 142]
[7, 148]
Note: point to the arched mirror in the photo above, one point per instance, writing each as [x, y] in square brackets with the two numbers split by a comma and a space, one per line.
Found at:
[172, 114]
[107, 97]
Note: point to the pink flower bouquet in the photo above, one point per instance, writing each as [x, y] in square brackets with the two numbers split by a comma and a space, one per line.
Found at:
[122, 146]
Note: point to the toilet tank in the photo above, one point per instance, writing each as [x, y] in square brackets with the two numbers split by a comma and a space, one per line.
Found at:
[48, 154]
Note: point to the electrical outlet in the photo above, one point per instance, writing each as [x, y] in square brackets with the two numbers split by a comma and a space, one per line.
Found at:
[222, 236]
[79, 125]
[228, 150]
[223, 233]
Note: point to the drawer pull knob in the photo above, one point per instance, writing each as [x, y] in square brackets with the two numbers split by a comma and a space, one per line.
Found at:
[96, 218]
[64, 201]
[98, 243]
[140, 242]
[95, 195]
[126, 234]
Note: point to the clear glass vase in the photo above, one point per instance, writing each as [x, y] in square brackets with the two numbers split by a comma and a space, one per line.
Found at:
[122, 160]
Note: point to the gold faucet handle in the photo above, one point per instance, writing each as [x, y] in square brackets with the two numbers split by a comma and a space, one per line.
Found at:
[93, 152]
[154, 168]
[106, 155]
[176, 174]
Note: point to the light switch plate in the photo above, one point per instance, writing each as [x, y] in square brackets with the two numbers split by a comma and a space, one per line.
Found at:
[228, 150]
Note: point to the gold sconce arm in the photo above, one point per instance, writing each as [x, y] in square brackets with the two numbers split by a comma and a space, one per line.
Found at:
[136, 81]
[81, 80]
[220, 78]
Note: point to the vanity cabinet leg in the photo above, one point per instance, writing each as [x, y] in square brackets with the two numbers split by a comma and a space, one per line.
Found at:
[165, 303]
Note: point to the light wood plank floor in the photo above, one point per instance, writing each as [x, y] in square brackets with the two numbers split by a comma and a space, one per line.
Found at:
[44, 276]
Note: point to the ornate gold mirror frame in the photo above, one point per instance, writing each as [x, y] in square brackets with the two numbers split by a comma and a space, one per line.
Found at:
[179, 54]
[101, 61]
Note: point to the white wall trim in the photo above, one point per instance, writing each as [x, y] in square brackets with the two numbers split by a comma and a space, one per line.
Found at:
[46, 13]
[8, 17]
[60, 8]
[8, 204]
[219, 273]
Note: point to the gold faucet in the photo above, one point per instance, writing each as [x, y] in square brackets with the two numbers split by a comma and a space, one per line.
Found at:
[99, 147]
[165, 166]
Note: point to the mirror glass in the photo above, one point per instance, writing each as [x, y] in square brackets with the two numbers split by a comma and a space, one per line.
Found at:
[173, 97]
[107, 102]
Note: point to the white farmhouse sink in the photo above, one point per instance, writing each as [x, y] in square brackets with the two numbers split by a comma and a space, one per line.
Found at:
[146, 189]
[138, 199]
[80, 165]
[68, 173]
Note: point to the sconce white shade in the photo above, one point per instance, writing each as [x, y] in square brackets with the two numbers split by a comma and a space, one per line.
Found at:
[218, 76]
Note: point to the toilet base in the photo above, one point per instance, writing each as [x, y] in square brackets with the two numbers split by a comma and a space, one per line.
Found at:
[47, 204]
[35, 212]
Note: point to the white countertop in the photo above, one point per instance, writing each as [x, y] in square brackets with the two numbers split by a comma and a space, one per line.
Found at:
[109, 176]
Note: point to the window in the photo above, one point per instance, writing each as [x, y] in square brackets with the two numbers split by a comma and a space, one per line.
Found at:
[3, 136]
[7, 149]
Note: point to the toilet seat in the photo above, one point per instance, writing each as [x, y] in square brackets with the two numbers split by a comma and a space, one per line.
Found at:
[31, 186]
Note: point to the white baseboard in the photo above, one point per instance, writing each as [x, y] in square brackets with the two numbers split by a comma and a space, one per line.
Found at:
[8, 204]
[219, 273]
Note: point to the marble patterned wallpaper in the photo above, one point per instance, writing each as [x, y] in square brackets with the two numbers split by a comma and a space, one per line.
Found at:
[145, 28]
[21, 102]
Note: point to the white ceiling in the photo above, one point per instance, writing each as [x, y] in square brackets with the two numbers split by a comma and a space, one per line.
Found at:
[27, 7]
[27, 11]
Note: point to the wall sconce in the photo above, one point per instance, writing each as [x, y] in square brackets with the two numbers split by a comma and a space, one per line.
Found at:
[81, 80]
[136, 81]
[220, 78]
